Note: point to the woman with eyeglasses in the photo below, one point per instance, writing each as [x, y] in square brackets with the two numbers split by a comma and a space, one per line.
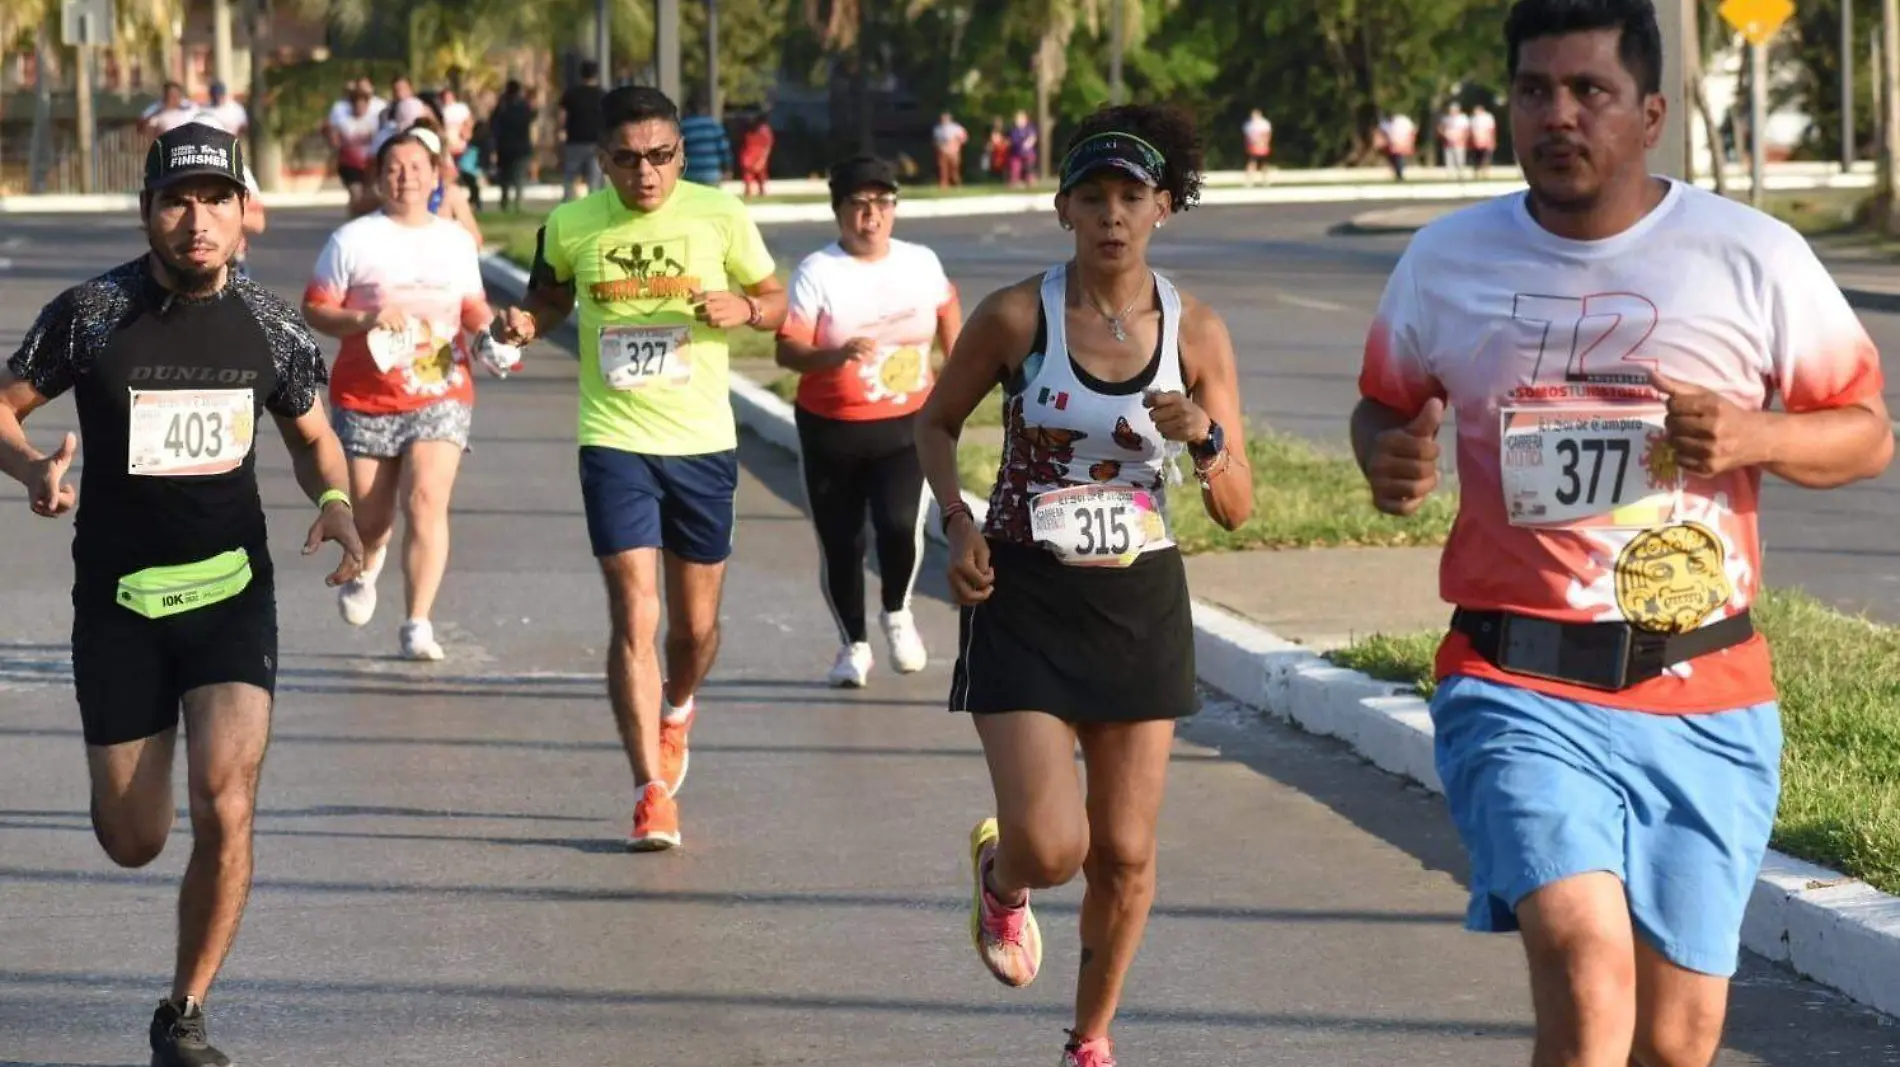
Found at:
[864, 313]
[1076, 621]
[403, 290]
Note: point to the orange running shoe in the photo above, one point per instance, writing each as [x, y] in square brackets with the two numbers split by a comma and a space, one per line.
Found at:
[656, 820]
[1007, 939]
[674, 755]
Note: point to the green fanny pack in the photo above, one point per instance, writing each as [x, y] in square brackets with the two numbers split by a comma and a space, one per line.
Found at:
[156, 592]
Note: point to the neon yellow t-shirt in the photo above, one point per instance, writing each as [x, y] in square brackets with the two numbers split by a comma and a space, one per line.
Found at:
[634, 273]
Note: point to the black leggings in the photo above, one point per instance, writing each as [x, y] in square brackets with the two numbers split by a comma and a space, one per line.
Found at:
[847, 466]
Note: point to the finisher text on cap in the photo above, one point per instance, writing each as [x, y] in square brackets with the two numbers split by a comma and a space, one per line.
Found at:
[193, 150]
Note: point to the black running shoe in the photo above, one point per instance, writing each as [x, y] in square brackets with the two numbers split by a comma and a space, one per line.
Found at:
[178, 1037]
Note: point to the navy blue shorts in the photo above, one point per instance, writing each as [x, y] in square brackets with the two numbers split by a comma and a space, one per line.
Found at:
[683, 504]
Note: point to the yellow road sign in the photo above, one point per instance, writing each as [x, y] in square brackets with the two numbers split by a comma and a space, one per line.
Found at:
[1757, 20]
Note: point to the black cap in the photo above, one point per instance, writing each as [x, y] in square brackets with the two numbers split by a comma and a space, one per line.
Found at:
[859, 172]
[190, 151]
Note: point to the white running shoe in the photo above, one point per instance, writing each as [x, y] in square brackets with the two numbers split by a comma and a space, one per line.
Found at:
[356, 599]
[418, 640]
[907, 646]
[853, 667]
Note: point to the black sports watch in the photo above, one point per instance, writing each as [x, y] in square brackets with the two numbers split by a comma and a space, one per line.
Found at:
[1215, 444]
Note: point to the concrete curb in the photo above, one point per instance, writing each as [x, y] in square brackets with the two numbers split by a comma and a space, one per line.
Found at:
[1835, 930]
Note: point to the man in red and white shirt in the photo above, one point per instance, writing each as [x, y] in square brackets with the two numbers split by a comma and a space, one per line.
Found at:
[1398, 139]
[1606, 725]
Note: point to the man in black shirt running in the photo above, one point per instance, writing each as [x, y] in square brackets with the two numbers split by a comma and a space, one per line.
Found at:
[171, 360]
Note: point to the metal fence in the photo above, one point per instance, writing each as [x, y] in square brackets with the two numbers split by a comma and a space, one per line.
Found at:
[118, 160]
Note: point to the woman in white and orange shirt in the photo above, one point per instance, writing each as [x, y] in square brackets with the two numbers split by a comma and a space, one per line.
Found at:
[864, 313]
[402, 288]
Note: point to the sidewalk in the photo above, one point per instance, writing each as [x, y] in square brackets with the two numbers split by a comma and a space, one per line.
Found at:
[1867, 272]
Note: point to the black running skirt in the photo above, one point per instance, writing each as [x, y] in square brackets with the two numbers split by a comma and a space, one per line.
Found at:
[1085, 644]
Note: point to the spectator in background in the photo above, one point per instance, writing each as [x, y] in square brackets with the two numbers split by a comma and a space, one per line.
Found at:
[1398, 139]
[950, 137]
[708, 152]
[231, 115]
[996, 160]
[755, 153]
[458, 135]
[1022, 151]
[1454, 137]
[172, 110]
[513, 127]
[1484, 140]
[350, 135]
[580, 127]
[1258, 134]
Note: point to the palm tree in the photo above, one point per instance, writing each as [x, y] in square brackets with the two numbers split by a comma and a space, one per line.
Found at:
[18, 18]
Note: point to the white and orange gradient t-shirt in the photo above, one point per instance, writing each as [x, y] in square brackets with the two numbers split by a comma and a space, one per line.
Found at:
[1570, 507]
[434, 275]
[895, 301]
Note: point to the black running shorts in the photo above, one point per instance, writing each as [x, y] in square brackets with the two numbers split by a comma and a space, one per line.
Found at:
[131, 672]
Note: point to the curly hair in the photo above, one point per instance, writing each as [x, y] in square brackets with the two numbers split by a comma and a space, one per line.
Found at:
[1168, 129]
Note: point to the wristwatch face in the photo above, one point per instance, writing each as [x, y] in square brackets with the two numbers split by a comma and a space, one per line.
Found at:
[1216, 440]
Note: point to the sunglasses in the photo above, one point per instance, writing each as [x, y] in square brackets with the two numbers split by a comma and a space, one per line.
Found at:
[628, 159]
[886, 201]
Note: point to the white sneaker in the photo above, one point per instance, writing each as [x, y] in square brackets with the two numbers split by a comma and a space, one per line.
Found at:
[907, 646]
[418, 640]
[356, 598]
[853, 667]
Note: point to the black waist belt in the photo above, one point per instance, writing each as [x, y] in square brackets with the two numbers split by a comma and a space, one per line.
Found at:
[1599, 655]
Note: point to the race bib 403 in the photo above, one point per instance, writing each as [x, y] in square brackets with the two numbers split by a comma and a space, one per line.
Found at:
[1587, 466]
[641, 357]
[1098, 525]
[189, 431]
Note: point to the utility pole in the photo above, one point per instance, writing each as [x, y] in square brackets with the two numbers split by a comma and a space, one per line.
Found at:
[603, 43]
[1890, 115]
[87, 131]
[221, 42]
[715, 100]
[1671, 155]
[1847, 85]
[1116, 91]
[266, 161]
[666, 47]
[1757, 118]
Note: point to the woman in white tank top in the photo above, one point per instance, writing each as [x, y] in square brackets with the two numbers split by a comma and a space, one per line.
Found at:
[1076, 625]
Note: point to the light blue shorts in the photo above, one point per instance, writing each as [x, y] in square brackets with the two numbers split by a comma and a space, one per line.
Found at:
[1678, 806]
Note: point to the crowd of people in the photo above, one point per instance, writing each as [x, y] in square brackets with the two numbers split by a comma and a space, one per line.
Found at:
[496, 141]
[1607, 725]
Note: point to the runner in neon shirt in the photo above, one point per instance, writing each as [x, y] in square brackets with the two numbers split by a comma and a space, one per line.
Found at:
[1607, 723]
[661, 269]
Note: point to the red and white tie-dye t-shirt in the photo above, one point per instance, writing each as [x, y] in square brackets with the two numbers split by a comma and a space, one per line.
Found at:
[434, 274]
[1571, 507]
[895, 301]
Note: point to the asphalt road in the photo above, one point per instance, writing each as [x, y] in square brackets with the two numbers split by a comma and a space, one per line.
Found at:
[439, 880]
[1297, 299]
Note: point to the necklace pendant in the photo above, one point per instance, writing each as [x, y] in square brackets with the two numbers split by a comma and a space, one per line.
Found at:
[1115, 327]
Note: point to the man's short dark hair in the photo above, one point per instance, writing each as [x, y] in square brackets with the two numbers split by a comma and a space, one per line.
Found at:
[589, 70]
[632, 104]
[1640, 47]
